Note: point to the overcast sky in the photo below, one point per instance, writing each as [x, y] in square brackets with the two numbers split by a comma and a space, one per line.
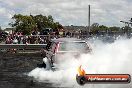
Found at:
[69, 12]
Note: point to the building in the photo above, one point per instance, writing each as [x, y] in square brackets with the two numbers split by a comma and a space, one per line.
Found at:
[9, 30]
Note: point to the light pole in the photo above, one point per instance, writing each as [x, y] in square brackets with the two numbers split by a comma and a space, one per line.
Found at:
[89, 19]
[88, 30]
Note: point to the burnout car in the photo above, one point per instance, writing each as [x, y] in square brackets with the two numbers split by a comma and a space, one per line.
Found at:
[58, 47]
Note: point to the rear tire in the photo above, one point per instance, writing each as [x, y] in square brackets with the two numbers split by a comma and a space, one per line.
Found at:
[47, 62]
[43, 65]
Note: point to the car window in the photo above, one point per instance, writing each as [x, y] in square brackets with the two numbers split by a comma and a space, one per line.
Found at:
[73, 46]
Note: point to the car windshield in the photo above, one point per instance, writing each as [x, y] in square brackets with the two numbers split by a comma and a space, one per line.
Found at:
[73, 46]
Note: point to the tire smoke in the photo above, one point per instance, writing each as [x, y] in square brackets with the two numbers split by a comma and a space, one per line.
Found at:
[106, 58]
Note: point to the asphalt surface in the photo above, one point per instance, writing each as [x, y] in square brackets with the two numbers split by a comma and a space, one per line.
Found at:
[13, 70]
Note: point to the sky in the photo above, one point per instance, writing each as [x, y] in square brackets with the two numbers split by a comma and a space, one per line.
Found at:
[69, 12]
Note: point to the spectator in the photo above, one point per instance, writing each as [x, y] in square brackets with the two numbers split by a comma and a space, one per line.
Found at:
[68, 34]
[24, 40]
[15, 41]
[8, 40]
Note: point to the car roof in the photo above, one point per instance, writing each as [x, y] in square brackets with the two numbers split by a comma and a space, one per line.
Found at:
[67, 40]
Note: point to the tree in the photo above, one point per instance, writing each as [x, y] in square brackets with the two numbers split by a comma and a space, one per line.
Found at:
[23, 24]
[27, 24]
[103, 28]
[43, 22]
[115, 29]
[94, 28]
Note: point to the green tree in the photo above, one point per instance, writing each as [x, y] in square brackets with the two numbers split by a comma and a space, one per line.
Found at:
[27, 24]
[114, 29]
[23, 24]
[94, 28]
[103, 28]
[40, 20]
[45, 22]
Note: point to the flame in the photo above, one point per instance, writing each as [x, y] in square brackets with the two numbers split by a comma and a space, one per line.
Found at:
[81, 71]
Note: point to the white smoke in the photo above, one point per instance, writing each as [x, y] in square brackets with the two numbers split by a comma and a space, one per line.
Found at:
[115, 58]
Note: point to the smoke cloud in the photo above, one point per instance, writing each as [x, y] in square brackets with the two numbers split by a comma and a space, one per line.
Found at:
[111, 58]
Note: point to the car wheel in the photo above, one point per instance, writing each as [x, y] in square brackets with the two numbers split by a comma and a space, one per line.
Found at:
[47, 63]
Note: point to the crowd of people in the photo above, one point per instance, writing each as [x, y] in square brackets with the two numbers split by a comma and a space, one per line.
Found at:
[19, 38]
[35, 38]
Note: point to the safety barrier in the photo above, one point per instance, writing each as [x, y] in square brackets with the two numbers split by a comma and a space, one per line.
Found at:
[22, 46]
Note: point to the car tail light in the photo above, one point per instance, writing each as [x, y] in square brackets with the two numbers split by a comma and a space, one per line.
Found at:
[57, 47]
